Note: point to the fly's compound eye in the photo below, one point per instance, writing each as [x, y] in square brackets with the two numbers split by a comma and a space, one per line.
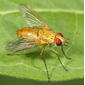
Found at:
[60, 34]
[58, 42]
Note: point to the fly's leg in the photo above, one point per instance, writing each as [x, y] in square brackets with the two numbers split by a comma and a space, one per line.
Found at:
[54, 51]
[42, 50]
[46, 68]
[64, 53]
[41, 53]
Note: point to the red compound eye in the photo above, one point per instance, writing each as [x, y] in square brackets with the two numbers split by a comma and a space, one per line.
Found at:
[58, 42]
[60, 34]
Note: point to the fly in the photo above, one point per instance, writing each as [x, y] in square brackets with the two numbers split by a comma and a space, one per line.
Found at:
[37, 34]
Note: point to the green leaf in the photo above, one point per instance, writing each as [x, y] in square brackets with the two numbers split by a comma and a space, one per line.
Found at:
[65, 16]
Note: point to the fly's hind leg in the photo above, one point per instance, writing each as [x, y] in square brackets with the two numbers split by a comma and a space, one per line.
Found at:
[48, 76]
[54, 51]
[44, 61]
[43, 49]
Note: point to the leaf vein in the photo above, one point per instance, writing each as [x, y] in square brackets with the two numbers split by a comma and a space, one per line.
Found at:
[46, 10]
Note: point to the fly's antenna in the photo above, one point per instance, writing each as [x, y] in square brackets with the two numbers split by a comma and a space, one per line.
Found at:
[64, 53]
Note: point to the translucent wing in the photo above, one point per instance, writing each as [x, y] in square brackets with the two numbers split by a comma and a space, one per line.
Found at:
[31, 17]
[19, 44]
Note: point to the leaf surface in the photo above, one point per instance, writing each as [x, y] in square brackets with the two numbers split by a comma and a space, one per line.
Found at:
[62, 16]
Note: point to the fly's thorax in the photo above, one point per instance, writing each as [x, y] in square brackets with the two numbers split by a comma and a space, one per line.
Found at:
[46, 36]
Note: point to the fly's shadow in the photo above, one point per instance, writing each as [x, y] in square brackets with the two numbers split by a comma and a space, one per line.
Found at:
[33, 55]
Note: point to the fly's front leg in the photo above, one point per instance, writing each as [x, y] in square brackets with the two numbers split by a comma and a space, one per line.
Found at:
[54, 51]
[64, 53]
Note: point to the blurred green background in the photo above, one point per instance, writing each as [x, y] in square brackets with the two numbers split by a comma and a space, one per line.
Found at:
[5, 80]
[67, 18]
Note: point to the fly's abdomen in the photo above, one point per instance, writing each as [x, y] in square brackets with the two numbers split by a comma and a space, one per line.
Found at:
[28, 33]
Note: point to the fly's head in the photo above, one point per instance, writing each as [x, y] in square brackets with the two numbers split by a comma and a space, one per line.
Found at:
[60, 40]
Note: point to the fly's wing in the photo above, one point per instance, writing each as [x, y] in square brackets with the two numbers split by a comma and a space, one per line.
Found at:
[19, 44]
[31, 17]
